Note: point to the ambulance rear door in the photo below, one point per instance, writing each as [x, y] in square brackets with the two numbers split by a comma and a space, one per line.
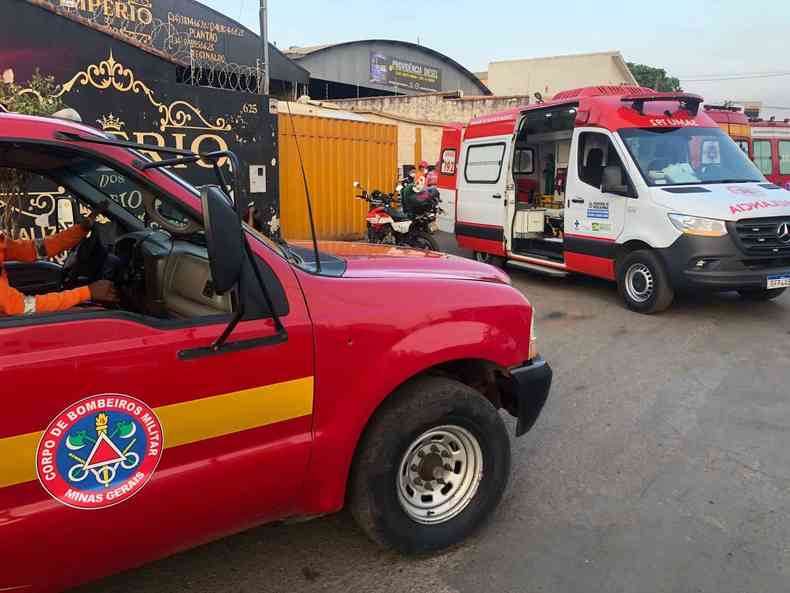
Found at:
[448, 176]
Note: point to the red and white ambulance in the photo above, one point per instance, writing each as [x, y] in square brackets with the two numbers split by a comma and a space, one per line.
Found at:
[622, 183]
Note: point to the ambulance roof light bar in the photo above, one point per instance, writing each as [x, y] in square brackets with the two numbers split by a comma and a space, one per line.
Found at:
[687, 101]
[731, 108]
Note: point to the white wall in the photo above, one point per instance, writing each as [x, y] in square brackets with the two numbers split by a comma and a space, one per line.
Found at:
[552, 75]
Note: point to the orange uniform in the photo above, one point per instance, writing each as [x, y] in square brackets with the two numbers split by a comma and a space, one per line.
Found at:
[13, 302]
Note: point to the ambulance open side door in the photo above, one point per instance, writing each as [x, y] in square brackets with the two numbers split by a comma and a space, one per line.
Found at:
[483, 180]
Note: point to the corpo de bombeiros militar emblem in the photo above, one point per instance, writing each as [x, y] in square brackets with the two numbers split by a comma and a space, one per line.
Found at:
[99, 451]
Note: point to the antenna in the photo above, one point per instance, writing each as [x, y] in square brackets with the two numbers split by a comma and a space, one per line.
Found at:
[306, 191]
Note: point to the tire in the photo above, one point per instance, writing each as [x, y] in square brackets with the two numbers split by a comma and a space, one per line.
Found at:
[643, 282]
[487, 258]
[761, 294]
[454, 427]
[422, 240]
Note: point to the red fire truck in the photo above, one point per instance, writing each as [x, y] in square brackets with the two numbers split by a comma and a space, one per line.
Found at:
[241, 381]
[771, 150]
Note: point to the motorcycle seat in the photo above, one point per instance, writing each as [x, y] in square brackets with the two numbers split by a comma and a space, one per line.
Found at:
[397, 215]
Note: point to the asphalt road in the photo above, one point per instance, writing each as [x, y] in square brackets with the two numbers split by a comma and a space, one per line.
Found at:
[660, 464]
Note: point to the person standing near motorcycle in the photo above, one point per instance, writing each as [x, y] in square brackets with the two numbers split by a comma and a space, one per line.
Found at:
[421, 176]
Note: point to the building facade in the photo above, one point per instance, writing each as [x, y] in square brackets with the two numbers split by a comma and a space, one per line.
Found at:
[551, 75]
[381, 67]
[170, 73]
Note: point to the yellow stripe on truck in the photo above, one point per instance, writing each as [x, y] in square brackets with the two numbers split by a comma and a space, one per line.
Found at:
[18, 458]
[186, 422]
[210, 417]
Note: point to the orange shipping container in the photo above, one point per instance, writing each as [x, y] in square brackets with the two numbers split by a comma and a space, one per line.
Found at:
[336, 153]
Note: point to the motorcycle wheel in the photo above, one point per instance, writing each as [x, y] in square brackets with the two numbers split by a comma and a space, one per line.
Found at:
[423, 241]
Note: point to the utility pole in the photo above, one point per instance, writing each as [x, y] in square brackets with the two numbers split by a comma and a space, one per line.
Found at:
[264, 21]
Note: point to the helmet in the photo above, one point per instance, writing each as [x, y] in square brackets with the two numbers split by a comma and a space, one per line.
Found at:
[423, 164]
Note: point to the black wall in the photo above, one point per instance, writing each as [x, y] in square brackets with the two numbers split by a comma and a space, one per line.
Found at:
[132, 93]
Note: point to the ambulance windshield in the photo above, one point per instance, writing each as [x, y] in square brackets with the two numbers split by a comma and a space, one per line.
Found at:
[684, 156]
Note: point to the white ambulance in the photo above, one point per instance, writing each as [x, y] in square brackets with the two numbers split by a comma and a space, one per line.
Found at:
[622, 183]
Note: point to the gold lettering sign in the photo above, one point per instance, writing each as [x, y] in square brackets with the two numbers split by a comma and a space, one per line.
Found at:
[110, 74]
[182, 36]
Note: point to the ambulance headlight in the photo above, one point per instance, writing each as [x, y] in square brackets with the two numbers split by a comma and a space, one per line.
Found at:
[703, 227]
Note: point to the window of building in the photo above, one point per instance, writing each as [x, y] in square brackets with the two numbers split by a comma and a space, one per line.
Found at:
[484, 163]
[763, 156]
[784, 157]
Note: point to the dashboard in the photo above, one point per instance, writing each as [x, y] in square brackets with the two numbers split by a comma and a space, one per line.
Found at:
[165, 277]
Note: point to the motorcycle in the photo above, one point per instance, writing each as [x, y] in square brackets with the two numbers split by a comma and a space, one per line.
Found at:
[413, 226]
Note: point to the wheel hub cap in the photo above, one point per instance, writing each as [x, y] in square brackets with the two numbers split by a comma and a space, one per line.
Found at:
[439, 474]
[639, 283]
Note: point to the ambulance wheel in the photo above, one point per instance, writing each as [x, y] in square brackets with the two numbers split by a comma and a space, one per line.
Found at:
[487, 258]
[431, 467]
[761, 294]
[424, 241]
[643, 282]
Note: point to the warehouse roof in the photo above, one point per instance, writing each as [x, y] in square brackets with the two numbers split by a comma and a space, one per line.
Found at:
[297, 53]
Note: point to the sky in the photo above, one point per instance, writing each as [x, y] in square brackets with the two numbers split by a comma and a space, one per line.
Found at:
[691, 40]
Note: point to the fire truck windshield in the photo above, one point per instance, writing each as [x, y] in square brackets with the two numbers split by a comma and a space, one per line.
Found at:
[683, 156]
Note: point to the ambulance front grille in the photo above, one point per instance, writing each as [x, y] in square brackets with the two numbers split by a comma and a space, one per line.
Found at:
[764, 237]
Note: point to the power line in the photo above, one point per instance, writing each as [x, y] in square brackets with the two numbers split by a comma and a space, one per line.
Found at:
[716, 78]
[749, 73]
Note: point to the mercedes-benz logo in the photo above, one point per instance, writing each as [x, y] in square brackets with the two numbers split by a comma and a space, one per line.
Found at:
[783, 232]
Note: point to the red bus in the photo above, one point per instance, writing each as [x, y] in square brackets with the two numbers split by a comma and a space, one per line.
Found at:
[771, 150]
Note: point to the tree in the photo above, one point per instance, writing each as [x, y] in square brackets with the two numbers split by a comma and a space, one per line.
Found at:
[654, 78]
[38, 97]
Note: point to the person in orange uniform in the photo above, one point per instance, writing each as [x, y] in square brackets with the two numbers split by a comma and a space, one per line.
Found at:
[13, 302]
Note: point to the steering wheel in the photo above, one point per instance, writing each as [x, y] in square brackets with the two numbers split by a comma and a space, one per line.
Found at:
[84, 264]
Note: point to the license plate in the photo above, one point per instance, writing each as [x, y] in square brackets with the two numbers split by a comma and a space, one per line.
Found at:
[779, 281]
[434, 226]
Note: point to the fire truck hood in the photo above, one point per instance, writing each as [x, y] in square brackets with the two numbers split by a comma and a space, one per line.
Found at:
[731, 201]
[385, 261]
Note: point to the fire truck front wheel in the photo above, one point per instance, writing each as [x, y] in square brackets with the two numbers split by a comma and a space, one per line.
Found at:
[431, 467]
[643, 282]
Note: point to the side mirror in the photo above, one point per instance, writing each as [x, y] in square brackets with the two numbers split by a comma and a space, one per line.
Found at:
[224, 239]
[613, 181]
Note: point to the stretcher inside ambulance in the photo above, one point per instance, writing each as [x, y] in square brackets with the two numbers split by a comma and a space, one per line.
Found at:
[621, 183]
